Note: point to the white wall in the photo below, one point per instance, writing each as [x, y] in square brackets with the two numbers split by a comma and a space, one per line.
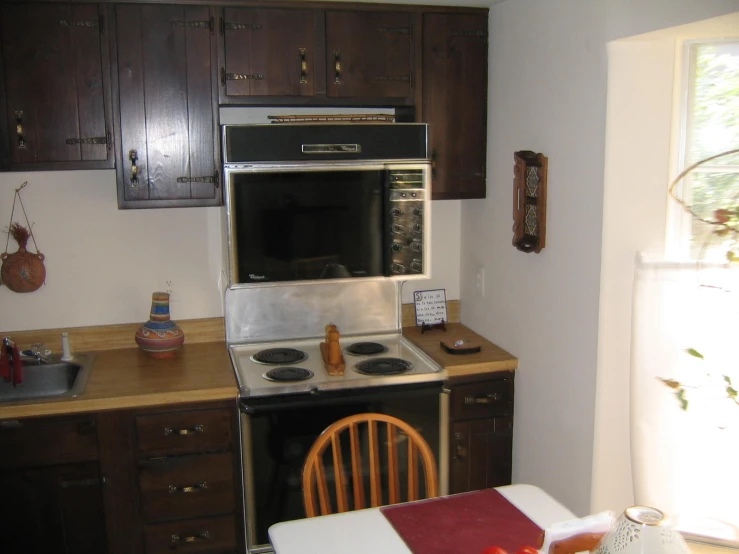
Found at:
[548, 85]
[102, 264]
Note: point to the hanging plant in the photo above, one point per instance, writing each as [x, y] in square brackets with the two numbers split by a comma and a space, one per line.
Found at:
[21, 271]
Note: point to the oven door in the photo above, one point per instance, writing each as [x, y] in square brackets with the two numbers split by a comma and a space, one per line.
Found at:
[278, 431]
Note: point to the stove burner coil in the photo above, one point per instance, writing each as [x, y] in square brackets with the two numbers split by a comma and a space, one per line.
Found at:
[366, 348]
[279, 356]
[384, 366]
[288, 374]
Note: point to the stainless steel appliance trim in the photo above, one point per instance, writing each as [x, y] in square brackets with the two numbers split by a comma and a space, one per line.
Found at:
[444, 401]
[293, 311]
[247, 465]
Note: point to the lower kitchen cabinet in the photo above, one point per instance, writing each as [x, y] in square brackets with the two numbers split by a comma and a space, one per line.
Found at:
[143, 481]
[481, 431]
[51, 490]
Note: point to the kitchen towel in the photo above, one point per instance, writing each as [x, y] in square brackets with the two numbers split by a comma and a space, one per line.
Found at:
[463, 523]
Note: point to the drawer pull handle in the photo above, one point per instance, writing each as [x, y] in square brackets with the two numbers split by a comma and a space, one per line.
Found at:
[303, 66]
[192, 430]
[204, 536]
[487, 399]
[202, 485]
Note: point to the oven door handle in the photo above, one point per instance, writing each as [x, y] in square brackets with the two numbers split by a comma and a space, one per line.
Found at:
[315, 397]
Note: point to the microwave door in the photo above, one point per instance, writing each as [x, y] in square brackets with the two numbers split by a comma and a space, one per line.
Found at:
[306, 225]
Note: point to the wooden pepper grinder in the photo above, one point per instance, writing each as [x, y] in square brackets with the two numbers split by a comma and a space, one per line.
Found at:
[333, 358]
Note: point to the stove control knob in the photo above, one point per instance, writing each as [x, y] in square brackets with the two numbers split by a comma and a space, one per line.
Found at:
[417, 212]
[396, 212]
[397, 268]
[397, 229]
[416, 227]
[416, 266]
[416, 246]
[396, 247]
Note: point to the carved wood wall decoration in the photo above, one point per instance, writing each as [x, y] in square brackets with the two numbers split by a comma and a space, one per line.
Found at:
[529, 201]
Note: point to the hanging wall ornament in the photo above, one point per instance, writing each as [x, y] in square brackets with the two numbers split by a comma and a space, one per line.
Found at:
[21, 271]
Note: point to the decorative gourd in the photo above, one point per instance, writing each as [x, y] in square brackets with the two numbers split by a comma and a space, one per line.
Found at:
[22, 271]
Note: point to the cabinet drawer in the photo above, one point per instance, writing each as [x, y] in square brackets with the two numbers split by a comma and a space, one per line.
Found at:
[184, 432]
[36, 442]
[187, 486]
[482, 399]
[202, 536]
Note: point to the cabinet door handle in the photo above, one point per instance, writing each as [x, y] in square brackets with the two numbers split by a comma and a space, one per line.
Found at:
[19, 128]
[205, 535]
[202, 485]
[186, 431]
[337, 66]
[134, 157]
[487, 399]
[303, 66]
[93, 140]
[460, 452]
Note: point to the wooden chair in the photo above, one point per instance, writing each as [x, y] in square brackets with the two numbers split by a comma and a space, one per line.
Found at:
[316, 483]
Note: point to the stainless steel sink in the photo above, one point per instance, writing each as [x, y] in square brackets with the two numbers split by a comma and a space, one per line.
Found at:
[50, 380]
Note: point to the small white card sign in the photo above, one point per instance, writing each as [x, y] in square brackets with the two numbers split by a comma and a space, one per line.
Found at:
[430, 306]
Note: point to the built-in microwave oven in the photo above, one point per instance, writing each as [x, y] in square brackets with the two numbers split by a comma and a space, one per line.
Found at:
[327, 201]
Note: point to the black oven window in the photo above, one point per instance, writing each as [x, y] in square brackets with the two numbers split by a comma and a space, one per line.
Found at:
[308, 224]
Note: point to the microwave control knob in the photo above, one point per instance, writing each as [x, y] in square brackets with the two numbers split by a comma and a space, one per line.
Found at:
[396, 212]
[416, 246]
[396, 247]
[416, 266]
[417, 212]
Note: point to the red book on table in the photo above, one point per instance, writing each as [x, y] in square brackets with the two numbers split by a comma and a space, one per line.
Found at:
[463, 523]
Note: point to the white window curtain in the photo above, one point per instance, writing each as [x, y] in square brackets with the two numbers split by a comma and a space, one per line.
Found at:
[686, 462]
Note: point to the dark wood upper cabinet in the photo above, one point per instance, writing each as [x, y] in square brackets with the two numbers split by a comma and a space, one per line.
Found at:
[369, 54]
[55, 87]
[267, 52]
[165, 98]
[455, 79]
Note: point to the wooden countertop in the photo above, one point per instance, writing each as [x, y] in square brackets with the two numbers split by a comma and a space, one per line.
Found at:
[130, 378]
[490, 358]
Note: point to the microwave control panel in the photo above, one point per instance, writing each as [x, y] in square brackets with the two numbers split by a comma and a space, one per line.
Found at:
[406, 206]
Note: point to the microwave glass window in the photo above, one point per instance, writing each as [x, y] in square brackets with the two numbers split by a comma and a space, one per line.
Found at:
[308, 225]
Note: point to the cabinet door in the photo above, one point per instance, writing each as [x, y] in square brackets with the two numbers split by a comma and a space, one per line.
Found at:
[267, 52]
[480, 454]
[369, 54]
[165, 92]
[56, 100]
[455, 77]
[54, 509]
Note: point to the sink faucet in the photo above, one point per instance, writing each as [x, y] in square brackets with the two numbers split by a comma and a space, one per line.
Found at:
[37, 352]
[9, 345]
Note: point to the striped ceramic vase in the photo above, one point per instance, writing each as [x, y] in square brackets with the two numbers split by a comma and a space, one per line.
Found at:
[160, 336]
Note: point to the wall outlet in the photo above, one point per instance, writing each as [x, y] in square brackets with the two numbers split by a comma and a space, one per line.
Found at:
[480, 280]
[168, 287]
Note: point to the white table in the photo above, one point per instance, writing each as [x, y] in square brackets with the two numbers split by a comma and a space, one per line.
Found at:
[369, 532]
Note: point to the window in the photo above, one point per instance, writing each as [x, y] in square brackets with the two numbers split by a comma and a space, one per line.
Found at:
[711, 127]
[685, 460]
